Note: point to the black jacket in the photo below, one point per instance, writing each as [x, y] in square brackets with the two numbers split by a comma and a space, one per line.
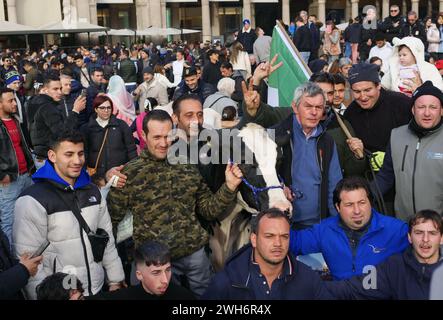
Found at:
[119, 147]
[174, 292]
[416, 30]
[247, 39]
[13, 275]
[8, 158]
[303, 39]
[315, 33]
[48, 123]
[391, 31]
[203, 90]
[353, 33]
[212, 73]
[373, 126]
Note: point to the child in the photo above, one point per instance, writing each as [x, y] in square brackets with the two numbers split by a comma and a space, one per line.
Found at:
[408, 69]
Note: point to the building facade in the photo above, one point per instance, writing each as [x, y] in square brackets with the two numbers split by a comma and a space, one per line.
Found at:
[214, 18]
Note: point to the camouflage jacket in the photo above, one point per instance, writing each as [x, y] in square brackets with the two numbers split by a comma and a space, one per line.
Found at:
[163, 199]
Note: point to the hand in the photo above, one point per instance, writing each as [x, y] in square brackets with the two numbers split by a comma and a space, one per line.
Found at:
[288, 194]
[416, 82]
[79, 104]
[5, 181]
[251, 98]
[356, 146]
[117, 286]
[396, 24]
[233, 176]
[115, 171]
[369, 43]
[31, 264]
[264, 70]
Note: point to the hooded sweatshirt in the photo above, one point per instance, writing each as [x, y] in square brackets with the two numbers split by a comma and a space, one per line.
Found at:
[427, 71]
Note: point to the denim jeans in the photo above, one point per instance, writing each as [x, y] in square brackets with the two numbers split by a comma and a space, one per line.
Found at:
[8, 194]
[305, 55]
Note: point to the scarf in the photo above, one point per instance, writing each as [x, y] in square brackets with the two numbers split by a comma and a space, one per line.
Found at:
[420, 131]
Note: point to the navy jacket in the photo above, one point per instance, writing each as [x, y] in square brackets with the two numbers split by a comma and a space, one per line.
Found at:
[401, 277]
[13, 276]
[203, 90]
[241, 280]
[385, 236]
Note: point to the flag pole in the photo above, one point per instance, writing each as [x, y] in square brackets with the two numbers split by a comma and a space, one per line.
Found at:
[288, 38]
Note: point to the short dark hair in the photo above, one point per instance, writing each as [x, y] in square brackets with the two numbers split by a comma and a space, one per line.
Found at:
[299, 19]
[98, 69]
[6, 57]
[158, 115]
[322, 77]
[339, 79]
[178, 102]
[226, 65]
[350, 184]
[78, 56]
[426, 215]
[272, 213]
[5, 90]
[50, 78]
[51, 288]
[69, 135]
[152, 253]
[373, 59]
[28, 63]
[125, 52]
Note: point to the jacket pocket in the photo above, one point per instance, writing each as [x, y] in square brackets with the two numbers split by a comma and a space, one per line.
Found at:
[404, 158]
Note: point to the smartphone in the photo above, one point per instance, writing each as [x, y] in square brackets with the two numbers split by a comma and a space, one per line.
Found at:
[84, 93]
[40, 249]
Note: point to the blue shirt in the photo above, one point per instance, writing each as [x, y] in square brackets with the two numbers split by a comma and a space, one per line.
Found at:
[306, 176]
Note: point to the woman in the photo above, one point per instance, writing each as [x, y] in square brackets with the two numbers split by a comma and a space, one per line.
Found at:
[440, 31]
[123, 102]
[432, 35]
[331, 41]
[159, 75]
[118, 146]
[241, 64]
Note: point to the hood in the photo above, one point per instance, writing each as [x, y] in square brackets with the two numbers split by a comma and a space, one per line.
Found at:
[47, 172]
[414, 44]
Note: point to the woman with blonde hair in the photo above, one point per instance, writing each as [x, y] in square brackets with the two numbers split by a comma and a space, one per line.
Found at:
[240, 61]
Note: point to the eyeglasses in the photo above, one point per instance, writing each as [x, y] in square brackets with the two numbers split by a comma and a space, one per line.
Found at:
[394, 10]
[104, 108]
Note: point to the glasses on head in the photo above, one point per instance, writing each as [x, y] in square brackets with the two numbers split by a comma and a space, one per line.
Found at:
[104, 108]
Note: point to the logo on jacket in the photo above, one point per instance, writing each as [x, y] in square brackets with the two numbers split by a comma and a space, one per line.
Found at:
[435, 155]
[92, 199]
[375, 249]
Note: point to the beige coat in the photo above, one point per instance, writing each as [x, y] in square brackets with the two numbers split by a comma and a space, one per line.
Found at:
[331, 43]
[153, 89]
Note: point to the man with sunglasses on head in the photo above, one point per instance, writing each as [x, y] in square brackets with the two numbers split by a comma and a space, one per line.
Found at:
[7, 67]
[393, 24]
[358, 237]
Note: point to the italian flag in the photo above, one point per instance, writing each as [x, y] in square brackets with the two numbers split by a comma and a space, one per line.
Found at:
[291, 74]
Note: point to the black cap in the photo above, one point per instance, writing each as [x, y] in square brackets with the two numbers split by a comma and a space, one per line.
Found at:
[148, 69]
[191, 71]
[427, 89]
[363, 72]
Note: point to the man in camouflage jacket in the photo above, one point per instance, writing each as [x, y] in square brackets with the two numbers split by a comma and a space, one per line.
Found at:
[164, 198]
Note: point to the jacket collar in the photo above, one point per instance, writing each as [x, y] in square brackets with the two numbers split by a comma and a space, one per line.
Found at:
[48, 173]
[375, 222]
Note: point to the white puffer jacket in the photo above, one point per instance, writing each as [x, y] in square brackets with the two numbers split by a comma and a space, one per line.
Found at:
[391, 81]
[41, 214]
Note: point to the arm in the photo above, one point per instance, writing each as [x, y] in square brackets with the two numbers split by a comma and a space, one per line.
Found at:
[119, 202]
[266, 115]
[248, 65]
[385, 178]
[13, 280]
[163, 98]
[305, 241]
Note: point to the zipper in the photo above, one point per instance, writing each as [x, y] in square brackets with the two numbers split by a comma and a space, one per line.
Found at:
[85, 253]
[413, 174]
[66, 108]
[404, 158]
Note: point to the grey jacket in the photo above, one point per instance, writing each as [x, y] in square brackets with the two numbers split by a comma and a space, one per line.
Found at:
[262, 48]
[153, 89]
[436, 292]
[417, 164]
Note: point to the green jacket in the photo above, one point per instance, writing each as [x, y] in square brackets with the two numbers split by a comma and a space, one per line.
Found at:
[268, 116]
[127, 71]
[163, 199]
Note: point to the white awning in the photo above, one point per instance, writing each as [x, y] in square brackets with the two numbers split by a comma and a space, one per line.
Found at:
[155, 31]
[65, 27]
[11, 28]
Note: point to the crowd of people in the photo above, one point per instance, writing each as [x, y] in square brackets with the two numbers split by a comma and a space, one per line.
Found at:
[85, 137]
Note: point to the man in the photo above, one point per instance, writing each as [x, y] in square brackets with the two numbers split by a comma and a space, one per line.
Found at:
[128, 71]
[171, 195]
[374, 111]
[393, 24]
[383, 50]
[265, 270]
[93, 63]
[315, 32]
[31, 78]
[95, 88]
[67, 101]
[358, 237]
[144, 62]
[13, 274]
[339, 93]
[15, 160]
[6, 68]
[150, 88]
[414, 28]
[228, 72]
[404, 276]
[154, 272]
[43, 212]
[413, 156]
[48, 122]
[262, 46]
[178, 67]
[247, 36]
[211, 70]
[303, 39]
[193, 85]
[81, 71]
[53, 288]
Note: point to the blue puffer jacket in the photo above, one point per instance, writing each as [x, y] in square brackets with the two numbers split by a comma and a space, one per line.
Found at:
[386, 236]
[239, 281]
